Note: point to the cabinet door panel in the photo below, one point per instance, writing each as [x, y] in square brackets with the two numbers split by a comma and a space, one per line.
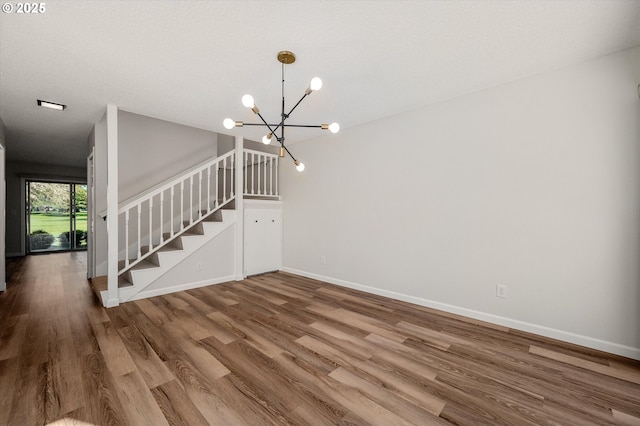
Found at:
[262, 241]
[273, 237]
[253, 242]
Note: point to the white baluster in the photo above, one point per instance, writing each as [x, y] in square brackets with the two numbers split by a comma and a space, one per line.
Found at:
[191, 200]
[161, 217]
[253, 173]
[209, 189]
[126, 239]
[200, 194]
[181, 205]
[265, 175]
[232, 176]
[260, 167]
[138, 225]
[270, 161]
[171, 213]
[150, 223]
[224, 180]
[277, 169]
[246, 168]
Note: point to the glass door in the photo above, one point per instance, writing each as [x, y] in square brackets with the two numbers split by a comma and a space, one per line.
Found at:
[79, 216]
[56, 216]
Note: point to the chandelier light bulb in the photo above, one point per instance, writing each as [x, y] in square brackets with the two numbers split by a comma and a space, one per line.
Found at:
[247, 100]
[316, 83]
[266, 139]
[229, 123]
[299, 165]
[334, 127]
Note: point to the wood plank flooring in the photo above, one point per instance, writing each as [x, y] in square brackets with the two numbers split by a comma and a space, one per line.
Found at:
[283, 349]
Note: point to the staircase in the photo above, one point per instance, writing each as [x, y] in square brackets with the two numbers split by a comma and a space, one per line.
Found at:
[135, 279]
[160, 229]
[166, 224]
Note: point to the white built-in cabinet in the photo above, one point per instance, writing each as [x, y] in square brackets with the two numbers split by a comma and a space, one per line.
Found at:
[262, 239]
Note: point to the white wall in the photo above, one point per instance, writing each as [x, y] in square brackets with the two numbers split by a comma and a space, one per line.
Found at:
[534, 185]
[98, 140]
[151, 151]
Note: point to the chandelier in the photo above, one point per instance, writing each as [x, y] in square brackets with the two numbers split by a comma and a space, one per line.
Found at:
[285, 57]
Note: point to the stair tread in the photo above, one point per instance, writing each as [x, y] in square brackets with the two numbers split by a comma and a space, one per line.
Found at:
[99, 283]
[169, 247]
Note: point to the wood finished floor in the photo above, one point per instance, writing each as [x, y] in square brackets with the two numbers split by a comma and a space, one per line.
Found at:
[282, 349]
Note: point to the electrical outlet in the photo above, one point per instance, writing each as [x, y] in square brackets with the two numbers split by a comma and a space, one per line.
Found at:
[501, 291]
[324, 260]
[199, 266]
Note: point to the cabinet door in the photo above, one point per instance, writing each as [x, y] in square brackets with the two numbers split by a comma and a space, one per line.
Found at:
[273, 240]
[253, 242]
[262, 241]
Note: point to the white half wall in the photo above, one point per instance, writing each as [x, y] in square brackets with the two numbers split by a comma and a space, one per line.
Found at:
[534, 185]
[98, 140]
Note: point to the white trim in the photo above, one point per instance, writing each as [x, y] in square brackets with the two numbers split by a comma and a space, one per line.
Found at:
[181, 287]
[565, 336]
[23, 216]
[91, 216]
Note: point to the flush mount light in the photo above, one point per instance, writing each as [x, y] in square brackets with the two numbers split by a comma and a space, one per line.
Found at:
[285, 57]
[51, 105]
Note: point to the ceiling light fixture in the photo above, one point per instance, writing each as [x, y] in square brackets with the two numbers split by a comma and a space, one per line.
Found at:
[51, 105]
[285, 57]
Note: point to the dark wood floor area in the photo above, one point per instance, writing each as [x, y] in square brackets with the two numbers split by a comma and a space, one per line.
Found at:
[282, 349]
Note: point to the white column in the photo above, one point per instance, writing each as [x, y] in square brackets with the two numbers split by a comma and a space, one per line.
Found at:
[112, 206]
[239, 208]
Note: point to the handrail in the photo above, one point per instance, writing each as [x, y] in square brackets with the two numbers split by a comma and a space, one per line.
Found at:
[163, 186]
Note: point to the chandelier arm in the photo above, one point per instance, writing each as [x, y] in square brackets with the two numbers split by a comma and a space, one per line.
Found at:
[319, 126]
[290, 155]
[294, 107]
[262, 124]
[265, 123]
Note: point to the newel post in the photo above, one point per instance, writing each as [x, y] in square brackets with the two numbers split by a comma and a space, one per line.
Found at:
[239, 208]
[112, 206]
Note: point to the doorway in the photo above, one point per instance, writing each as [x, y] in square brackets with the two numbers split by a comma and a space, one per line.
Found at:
[56, 216]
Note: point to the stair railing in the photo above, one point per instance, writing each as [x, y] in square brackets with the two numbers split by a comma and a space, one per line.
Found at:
[161, 214]
[260, 174]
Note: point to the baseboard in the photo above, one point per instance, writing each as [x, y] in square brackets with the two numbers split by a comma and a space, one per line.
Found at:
[3, 286]
[565, 336]
[181, 287]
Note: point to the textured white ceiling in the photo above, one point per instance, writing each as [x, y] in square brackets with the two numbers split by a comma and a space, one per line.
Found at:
[191, 61]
